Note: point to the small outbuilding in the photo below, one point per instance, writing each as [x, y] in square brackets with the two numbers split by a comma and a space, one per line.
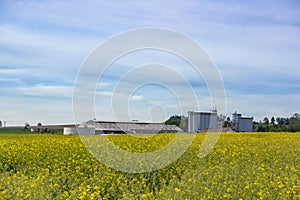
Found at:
[70, 131]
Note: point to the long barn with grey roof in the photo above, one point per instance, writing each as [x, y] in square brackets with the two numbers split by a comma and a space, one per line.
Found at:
[104, 127]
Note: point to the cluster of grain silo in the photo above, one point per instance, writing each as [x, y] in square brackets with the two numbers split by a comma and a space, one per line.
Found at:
[202, 121]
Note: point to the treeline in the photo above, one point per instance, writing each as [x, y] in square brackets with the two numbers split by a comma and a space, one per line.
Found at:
[290, 124]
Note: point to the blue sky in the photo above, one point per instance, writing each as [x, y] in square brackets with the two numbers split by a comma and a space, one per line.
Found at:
[254, 44]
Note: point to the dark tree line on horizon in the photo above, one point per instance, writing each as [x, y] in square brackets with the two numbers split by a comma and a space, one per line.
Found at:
[278, 124]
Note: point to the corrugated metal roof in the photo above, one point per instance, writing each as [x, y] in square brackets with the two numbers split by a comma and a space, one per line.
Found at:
[130, 127]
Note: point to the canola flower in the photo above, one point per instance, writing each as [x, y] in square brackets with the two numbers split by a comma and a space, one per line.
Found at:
[240, 166]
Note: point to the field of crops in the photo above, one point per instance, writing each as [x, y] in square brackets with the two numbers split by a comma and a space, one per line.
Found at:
[241, 166]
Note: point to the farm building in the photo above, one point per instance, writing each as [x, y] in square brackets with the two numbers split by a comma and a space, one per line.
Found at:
[241, 124]
[199, 121]
[101, 127]
[80, 130]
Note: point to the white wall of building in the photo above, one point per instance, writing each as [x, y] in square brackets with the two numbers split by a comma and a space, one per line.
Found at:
[79, 130]
[86, 130]
[197, 121]
[245, 124]
[242, 124]
[70, 131]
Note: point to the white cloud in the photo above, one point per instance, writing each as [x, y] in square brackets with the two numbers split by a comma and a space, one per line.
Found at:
[12, 71]
[106, 93]
[136, 98]
[104, 84]
[46, 91]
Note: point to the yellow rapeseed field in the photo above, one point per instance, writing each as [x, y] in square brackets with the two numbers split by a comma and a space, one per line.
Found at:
[240, 166]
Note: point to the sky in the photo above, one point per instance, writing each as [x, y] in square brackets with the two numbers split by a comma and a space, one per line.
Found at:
[254, 45]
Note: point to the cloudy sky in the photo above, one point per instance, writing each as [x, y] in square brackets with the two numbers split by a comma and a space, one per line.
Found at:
[255, 46]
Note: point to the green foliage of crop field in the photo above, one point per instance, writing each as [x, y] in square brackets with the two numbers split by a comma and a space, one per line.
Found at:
[241, 166]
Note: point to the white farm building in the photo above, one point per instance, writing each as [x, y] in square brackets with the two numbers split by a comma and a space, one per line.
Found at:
[242, 124]
[102, 127]
[200, 121]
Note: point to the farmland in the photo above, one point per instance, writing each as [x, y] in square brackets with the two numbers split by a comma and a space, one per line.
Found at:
[240, 166]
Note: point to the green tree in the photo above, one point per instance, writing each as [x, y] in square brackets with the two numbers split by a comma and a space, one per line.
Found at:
[296, 115]
[273, 120]
[261, 128]
[280, 120]
[266, 120]
[227, 122]
[294, 123]
[174, 120]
